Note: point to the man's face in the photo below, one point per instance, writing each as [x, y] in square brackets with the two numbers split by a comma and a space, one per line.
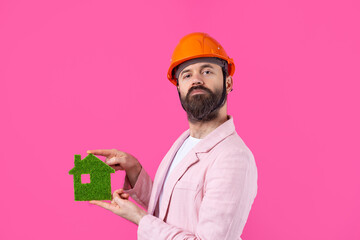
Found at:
[200, 88]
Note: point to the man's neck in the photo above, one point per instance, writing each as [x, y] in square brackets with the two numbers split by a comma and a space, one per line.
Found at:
[202, 129]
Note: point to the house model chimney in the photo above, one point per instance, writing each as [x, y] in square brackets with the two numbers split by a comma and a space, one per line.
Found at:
[77, 159]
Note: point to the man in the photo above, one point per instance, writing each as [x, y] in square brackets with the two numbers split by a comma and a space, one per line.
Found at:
[206, 184]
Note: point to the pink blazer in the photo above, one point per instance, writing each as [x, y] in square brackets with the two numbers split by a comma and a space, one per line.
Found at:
[207, 196]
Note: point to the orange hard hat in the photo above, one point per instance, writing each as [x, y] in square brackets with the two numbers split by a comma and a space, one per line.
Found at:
[197, 45]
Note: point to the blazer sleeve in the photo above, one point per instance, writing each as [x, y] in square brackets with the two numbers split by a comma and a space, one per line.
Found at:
[141, 192]
[229, 191]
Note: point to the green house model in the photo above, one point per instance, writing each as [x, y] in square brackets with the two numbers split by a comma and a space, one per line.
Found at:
[99, 187]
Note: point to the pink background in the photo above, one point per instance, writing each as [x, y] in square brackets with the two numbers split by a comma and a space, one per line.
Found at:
[79, 75]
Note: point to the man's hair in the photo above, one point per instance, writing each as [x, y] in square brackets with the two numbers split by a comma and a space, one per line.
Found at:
[221, 62]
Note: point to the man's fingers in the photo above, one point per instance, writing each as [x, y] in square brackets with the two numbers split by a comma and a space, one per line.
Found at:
[113, 161]
[101, 152]
[120, 194]
[116, 167]
[124, 195]
[116, 194]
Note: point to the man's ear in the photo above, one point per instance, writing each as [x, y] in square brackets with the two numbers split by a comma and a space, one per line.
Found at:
[229, 84]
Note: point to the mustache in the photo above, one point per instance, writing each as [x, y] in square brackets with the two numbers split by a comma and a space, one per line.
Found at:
[198, 88]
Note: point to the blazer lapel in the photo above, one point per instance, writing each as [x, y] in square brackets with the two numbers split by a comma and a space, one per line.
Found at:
[162, 170]
[190, 159]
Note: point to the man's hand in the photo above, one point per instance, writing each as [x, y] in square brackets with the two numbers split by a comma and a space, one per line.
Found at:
[120, 205]
[119, 160]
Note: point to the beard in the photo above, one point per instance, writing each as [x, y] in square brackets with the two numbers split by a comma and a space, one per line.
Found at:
[199, 107]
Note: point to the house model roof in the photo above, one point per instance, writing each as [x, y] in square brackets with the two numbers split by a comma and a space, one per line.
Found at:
[89, 164]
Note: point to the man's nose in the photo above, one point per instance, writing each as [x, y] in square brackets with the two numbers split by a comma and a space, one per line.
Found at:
[197, 79]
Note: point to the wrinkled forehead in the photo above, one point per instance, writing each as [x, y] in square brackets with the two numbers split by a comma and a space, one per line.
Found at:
[182, 66]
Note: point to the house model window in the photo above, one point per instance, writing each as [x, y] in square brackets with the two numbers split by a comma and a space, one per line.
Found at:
[85, 178]
[99, 188]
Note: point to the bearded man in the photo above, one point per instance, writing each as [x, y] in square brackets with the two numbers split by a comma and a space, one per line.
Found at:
[206, 184]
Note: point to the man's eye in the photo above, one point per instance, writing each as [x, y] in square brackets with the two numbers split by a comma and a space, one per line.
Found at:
[207, 72]
[186, 76]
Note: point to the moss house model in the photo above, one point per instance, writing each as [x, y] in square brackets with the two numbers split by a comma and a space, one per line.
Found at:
[99, 187]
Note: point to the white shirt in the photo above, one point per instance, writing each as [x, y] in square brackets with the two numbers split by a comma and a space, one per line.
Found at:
[187, 145]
